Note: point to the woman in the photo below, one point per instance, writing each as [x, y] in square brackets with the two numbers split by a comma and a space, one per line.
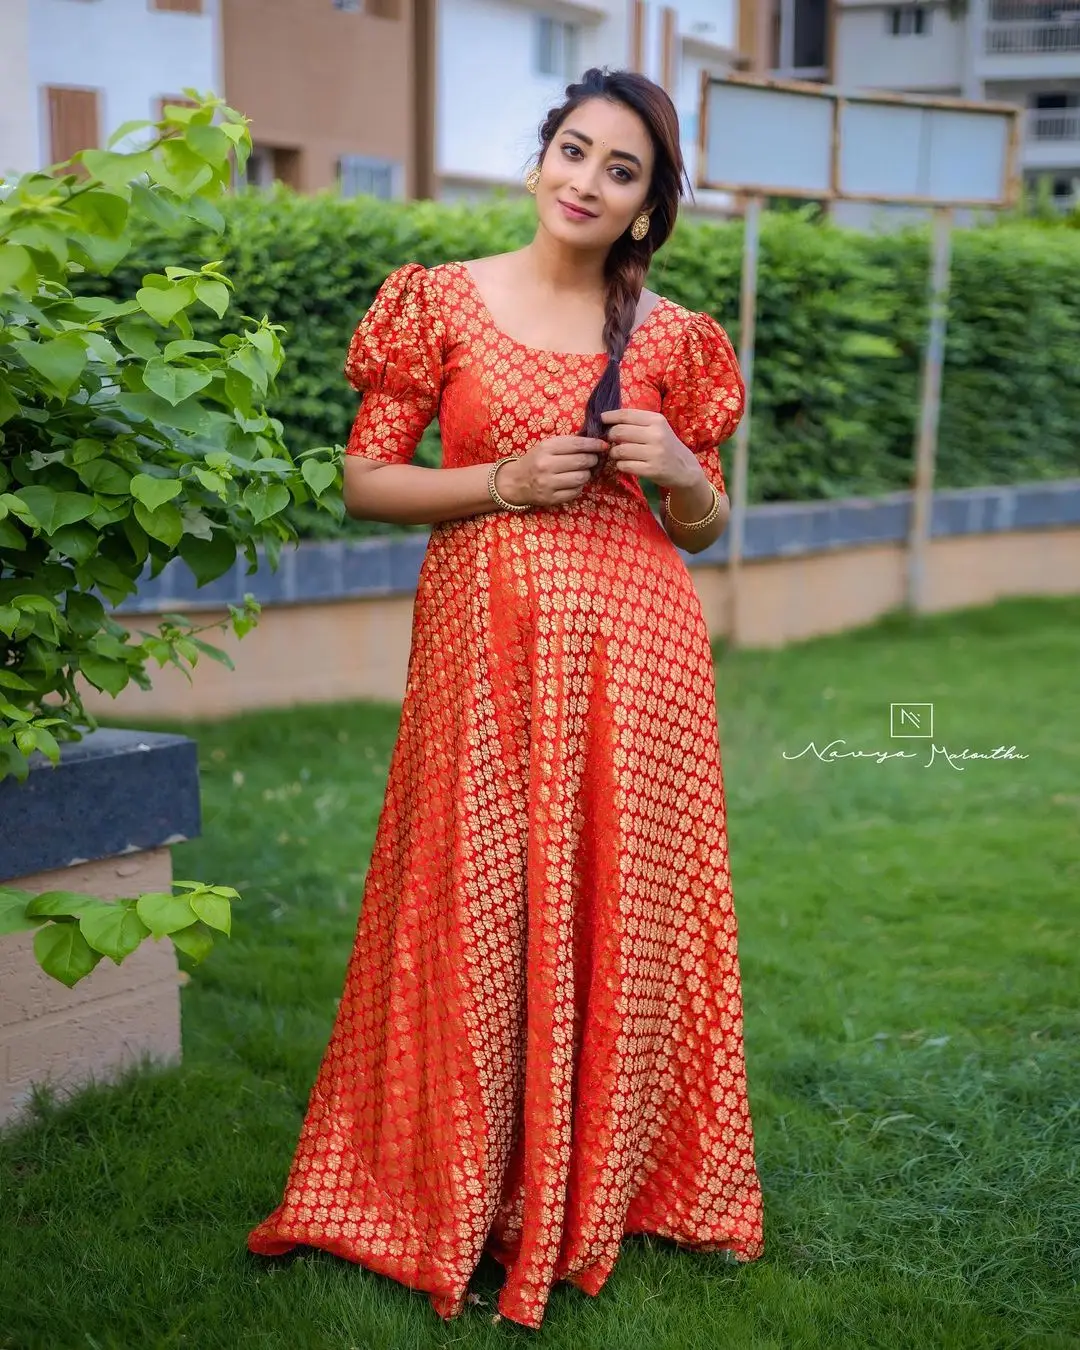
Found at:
[539, 1044]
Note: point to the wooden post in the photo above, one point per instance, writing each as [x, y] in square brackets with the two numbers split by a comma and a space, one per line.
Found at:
[929, 412]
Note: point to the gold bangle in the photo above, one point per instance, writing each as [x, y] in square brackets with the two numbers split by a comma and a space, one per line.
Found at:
[493, 490]
[696, 524]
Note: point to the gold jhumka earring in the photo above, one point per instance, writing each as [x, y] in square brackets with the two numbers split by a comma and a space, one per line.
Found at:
[640, 227]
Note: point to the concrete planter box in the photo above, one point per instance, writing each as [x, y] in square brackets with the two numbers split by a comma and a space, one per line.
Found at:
[100, 823]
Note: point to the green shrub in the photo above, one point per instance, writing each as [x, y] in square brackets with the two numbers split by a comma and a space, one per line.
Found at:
[840, 329]
[125, 439]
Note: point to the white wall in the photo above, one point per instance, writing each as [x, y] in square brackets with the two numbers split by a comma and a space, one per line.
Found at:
[868, 56]
[18, 127]
[130, 52]
[489, 45]
[490, 98]
[713, 21]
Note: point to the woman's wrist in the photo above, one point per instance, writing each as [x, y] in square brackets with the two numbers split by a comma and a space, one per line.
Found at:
[509, 486]
[693, 500]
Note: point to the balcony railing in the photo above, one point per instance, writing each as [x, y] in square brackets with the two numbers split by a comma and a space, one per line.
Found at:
[1034, 11]
[1052, 124]
[1022, 39]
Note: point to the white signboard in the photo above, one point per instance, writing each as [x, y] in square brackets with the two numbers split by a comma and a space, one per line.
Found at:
[776, 137]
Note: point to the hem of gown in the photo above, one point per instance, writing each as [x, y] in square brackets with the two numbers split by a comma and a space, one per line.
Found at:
[450, 1301]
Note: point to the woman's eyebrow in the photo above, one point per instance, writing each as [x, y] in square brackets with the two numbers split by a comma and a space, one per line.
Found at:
[619, 154]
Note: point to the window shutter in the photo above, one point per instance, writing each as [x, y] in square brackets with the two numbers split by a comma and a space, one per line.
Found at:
[73, 121]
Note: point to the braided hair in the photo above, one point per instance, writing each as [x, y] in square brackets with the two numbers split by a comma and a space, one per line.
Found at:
[628, 259]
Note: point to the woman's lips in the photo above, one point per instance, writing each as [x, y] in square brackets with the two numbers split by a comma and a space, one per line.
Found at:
[574, 213]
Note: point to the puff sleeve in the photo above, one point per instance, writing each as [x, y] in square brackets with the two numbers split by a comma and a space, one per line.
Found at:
[703, 396]
[395, 362]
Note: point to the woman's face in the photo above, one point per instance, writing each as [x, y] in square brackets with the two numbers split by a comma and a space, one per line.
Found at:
[601, 159]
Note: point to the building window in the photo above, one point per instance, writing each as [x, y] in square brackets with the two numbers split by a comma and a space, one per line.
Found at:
[908, 20]
[348, 6]
[362, 175]
[556, 48]
[74, 121]
[178, 6]
[1054, 101]
[270, 164]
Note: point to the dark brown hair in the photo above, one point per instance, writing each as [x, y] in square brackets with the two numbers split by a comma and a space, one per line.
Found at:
[628, 259]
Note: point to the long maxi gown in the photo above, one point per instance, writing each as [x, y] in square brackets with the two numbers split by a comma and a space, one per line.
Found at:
[539, 1046]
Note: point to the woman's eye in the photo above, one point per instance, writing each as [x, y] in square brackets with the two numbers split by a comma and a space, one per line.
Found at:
[629, 178]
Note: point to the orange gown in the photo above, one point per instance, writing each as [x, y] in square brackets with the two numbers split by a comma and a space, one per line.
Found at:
[539, 1046]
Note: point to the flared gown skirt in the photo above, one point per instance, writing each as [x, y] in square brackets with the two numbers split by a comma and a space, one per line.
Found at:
[539, 1046]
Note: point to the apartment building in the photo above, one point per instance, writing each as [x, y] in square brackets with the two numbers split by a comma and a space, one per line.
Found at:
[338, 91]
[502, 64]
[72, 71]
[1017, 51]
[398, 98]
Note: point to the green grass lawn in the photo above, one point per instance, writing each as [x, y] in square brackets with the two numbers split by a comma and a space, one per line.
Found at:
[908, 937]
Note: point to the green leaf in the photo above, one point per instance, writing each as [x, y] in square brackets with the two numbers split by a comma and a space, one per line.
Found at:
[60, 360]
[103, 253]
[76, 541]
[164, 305]
[206, 213]
[9, 404]
[186, 416]
[10, 619]
[154, 492]
[118, 170]
[103, 475]
[214, 910]
[164, 914]
[208, 558]
[210, 143]
[138, 337]
[155, 204]
[105, 674]
[318, 475]
[166, 523]
[64, 953]
[52, 509]
[11, 536]
[15, 264]
[13, 916]
[10, 680]
[214, 295]
[125, 129]
[113, 582]
[85, 613]
[264, 500]
[62, 904]
[103, 212]
[174, 383]
[215, 653]
[213, 482]
[45, 741]
[197, 941]
[115, 931]
[185, 347]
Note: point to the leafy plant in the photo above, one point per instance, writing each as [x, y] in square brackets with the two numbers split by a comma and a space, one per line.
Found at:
[125, 439]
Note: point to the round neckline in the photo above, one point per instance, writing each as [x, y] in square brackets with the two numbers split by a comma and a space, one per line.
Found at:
[489, 319]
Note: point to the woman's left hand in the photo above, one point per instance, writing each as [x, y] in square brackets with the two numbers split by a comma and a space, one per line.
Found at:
[642, 443]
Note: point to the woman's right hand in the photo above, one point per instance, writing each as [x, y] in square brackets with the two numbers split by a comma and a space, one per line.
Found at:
[553, 471]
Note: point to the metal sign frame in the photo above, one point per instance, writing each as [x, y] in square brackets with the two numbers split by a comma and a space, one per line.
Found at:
[839, 100]
[754, 195]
